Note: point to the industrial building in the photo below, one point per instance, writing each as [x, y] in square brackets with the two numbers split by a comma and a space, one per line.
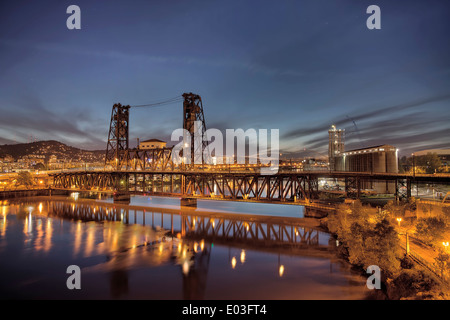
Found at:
[376, 159]
[335, 145]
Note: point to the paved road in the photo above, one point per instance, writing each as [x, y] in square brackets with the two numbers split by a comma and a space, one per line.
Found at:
[424, 251]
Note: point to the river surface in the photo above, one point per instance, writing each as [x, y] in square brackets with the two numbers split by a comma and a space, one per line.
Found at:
[155, 249]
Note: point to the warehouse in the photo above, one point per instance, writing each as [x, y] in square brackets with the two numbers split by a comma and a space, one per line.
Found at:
[377, 159]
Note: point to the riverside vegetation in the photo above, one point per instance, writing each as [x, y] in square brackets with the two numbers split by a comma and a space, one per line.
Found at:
[370, 236]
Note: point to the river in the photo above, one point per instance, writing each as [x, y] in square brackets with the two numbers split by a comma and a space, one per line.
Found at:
[155, 249]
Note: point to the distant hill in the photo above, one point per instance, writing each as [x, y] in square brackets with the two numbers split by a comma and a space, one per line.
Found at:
[49, 148]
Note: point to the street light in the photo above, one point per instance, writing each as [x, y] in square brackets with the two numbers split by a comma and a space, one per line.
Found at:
[399, 220]
[445, 244]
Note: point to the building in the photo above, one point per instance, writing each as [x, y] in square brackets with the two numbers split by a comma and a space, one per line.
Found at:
[152, 144]
[335, 144]
[443, 154]
[376, 159]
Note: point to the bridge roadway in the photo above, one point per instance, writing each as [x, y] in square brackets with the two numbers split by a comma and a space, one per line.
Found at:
[241, 185]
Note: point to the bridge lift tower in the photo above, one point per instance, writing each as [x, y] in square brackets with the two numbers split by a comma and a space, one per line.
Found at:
[117, 149]
[194, 123]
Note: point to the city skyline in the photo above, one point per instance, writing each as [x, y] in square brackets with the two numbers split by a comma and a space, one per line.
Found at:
[293, 66]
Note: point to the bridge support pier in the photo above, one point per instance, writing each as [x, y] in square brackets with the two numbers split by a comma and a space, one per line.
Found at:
[402, 189]
[122, 197]
[314, 213]
[188, 202]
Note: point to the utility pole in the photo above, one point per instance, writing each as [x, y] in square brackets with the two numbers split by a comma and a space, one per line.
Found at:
[407, 243]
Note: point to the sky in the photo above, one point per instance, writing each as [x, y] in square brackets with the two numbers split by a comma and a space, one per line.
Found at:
[297, 66]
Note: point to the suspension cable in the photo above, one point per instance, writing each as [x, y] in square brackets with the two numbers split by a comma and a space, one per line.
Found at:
[161, 103]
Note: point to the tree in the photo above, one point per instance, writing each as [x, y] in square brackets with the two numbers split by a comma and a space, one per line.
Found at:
[446, 213]
[412, 204]
[383, 247]
[412, 281]
[395, 210]
[442, 261]
[403, 165]
[431, 162]
[430, 229]
[25, 178]
[357, 245]
[369, 238]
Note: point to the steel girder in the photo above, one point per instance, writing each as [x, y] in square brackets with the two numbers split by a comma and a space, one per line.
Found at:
[251, 186]
[353, 187]
[402, 189]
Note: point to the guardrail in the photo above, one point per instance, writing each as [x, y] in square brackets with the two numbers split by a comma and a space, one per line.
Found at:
[435, 203]
[431, 267]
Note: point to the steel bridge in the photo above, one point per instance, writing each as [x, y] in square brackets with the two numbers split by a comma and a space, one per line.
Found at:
[244, 186]
[154, 171]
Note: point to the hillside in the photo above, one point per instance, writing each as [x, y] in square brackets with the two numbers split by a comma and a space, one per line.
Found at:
[49, 148]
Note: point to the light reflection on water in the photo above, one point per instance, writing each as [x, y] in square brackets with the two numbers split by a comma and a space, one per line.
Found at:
[164, 254]
[219, 206]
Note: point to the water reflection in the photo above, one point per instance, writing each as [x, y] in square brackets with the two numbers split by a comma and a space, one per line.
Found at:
[217, 227]
[137, 250]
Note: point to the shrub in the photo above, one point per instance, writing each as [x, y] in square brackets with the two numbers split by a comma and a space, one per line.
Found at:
[410, 282]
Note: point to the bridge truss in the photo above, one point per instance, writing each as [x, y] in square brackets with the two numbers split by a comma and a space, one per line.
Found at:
[289, 186]
[231, 186]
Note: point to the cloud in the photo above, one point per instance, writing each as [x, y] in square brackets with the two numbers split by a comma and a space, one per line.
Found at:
[369, 115]
[26, 115]
[6, 141]
[401, 125]
[215, 62]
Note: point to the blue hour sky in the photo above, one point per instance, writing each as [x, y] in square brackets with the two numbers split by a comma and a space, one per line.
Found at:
[297, 66]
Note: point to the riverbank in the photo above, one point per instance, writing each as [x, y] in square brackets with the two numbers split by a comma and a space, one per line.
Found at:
[367, 237]
[21, 193]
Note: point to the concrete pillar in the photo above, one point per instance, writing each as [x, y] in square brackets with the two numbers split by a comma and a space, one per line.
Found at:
[188, 202]
[122, 197]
